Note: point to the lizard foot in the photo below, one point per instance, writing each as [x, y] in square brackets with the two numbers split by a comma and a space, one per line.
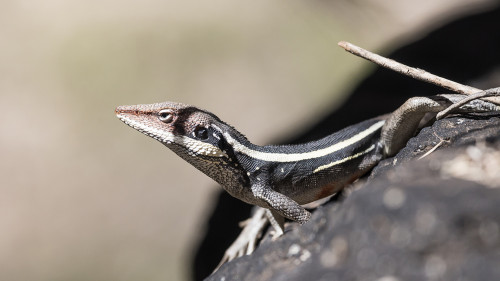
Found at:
[246, 241]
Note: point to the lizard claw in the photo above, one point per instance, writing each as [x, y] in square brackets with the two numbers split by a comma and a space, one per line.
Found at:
[247, 240]
[275, 234]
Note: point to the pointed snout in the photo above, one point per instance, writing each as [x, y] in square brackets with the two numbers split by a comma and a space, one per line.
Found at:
[128, 109]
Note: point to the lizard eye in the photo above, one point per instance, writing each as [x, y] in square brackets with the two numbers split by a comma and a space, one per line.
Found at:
[165, 115]
[201, 133]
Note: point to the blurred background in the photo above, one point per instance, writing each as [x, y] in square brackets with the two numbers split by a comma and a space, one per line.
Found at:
[84, 197]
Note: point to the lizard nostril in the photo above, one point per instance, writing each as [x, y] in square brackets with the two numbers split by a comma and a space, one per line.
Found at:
[126, 109]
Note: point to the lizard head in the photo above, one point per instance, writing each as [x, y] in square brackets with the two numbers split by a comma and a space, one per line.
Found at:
[178, 124]
[194, 134]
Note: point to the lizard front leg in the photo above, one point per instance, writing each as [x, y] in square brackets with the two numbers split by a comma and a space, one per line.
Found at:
[280, 206]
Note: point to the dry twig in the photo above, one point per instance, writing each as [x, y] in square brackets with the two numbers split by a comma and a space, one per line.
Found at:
[415, 73]
[483, 94]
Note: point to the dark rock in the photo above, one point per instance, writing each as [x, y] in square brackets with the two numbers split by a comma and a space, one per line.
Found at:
[465, 50]
[437, 218]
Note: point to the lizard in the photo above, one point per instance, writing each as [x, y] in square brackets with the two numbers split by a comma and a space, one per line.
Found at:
[281, 178]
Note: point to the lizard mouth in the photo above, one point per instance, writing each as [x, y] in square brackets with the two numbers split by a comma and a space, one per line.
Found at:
[142, 124]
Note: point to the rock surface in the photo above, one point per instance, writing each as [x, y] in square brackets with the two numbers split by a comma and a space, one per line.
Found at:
[455, 50]
[437, 218]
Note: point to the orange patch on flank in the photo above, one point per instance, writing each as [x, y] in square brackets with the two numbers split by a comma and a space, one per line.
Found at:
[331, 188]
[326, 190]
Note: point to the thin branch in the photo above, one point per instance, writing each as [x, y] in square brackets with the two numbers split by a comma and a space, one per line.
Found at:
[483, 94]
[432, 149]
[415, 73]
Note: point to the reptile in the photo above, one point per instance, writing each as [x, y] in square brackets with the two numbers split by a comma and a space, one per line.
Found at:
[281, 178]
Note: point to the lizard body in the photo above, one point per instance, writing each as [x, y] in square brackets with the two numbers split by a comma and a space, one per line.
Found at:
[280, 178]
